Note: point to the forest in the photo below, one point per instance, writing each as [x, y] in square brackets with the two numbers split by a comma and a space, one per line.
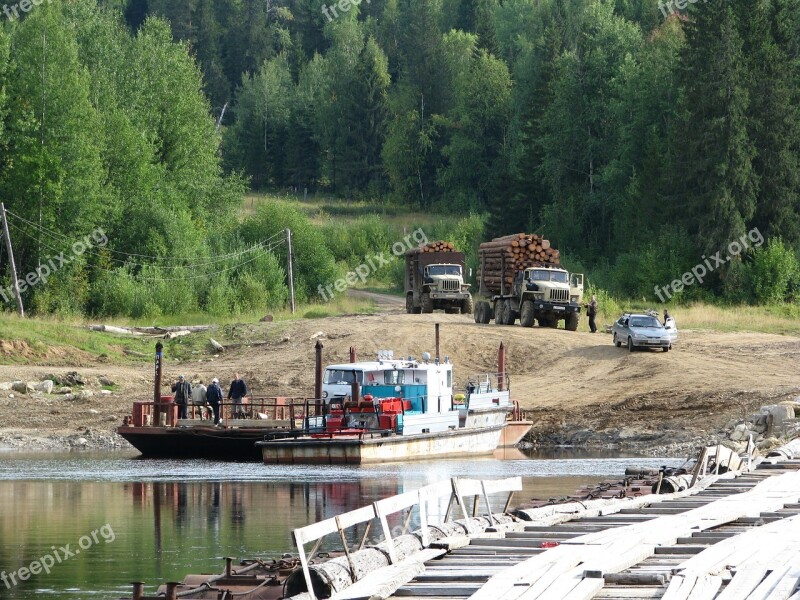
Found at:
[639, 138]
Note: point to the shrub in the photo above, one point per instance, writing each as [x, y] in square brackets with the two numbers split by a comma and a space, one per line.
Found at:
[772, 271]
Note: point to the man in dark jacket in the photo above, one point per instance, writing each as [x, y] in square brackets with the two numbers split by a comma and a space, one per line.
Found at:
[237, 392]
[591, 310]
[214, 398]
[183, 393]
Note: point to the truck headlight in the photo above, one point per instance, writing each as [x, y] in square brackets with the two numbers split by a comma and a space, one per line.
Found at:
[573, 299]
[324, 394]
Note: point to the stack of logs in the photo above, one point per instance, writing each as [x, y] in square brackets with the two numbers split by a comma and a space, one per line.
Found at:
[440, 246]
[520, 251]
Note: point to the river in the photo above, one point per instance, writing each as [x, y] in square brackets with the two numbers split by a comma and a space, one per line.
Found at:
[105, 520]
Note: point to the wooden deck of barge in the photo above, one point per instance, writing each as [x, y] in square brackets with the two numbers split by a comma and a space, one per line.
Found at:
[737, 538]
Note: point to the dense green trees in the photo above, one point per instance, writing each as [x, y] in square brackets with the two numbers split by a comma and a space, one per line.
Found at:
[636, 139]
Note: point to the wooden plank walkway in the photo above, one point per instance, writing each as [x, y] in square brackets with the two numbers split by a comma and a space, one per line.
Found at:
[738, 538]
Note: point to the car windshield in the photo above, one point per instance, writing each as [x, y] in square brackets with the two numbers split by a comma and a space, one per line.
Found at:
[548, 275]
[444, 270]
[342, 376]
[645, 322]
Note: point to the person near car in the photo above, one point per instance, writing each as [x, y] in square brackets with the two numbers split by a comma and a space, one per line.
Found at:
[591, 311]
[669, 321]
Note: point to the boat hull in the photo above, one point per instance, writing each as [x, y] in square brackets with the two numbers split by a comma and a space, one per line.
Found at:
[195, 442]
[514, 432]
[357, 451]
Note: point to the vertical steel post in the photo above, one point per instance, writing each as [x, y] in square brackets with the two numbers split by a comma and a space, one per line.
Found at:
[14, 280]
[138, 590]
[437, 342]
[353, 357]
[159, 372]
[501, 367]
[289, 274]
[318, 378]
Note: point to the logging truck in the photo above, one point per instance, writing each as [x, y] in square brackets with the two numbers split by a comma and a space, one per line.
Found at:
[519, 277]
[435, 280]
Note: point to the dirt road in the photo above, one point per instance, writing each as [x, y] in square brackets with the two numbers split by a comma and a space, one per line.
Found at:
[577, 386]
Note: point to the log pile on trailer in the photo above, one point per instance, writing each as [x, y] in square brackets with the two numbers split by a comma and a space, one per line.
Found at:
[502, 257]
[440, 246]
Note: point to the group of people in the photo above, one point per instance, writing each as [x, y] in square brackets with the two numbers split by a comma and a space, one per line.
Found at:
[209, 399]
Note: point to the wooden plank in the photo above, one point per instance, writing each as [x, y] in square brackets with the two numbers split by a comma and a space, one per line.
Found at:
[381, 584]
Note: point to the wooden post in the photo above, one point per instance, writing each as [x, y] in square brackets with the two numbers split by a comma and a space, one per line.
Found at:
[14, 281]
[353, 356]
[289, 274]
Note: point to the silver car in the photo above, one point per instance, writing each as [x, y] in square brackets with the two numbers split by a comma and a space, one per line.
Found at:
[641, 331]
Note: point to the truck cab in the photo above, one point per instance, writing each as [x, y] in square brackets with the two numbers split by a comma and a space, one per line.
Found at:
[435, 280]
[549, 285]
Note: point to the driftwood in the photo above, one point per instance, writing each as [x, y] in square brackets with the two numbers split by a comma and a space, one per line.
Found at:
[113, 329]
[133, 352]
[176, 331]
[216, 345]
[171, 335]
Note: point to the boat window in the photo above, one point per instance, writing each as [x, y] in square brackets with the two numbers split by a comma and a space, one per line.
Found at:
[449, 379]
[394, 377]
[342, 376]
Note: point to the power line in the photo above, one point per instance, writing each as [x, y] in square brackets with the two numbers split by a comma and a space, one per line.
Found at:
[267, 248]
[220, 258]
[268, 245]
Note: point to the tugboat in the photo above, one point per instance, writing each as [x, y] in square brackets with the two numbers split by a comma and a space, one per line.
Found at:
[396, 409]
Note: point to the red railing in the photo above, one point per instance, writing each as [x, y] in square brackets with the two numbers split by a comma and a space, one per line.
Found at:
[291, 411]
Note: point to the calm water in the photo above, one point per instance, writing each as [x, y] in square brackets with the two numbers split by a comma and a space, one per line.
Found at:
[156, 520]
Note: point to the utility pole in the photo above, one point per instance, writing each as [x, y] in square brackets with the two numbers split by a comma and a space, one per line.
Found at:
[289, 269]
[15, 283]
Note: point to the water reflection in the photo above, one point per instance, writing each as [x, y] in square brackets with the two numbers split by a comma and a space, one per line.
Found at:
[171, 518]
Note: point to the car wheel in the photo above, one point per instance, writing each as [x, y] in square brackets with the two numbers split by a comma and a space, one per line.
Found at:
[666, 349]
[617, 343]
[630, 345]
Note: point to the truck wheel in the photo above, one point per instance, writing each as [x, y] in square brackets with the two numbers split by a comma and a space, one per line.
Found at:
[526, 313]
[478, 312]
[499, 312]
[485, 312]
[543, 322]
[572, 322]
[511, 315]
[467, 306]
[410, 303]
[427, 304]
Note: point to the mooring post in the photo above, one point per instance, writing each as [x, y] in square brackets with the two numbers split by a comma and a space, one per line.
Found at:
[138, 590]
[437, 343]
[228, 563]
[159, 371]
[501, 368]
[172, 587]
[353, 357]
[355, 391]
